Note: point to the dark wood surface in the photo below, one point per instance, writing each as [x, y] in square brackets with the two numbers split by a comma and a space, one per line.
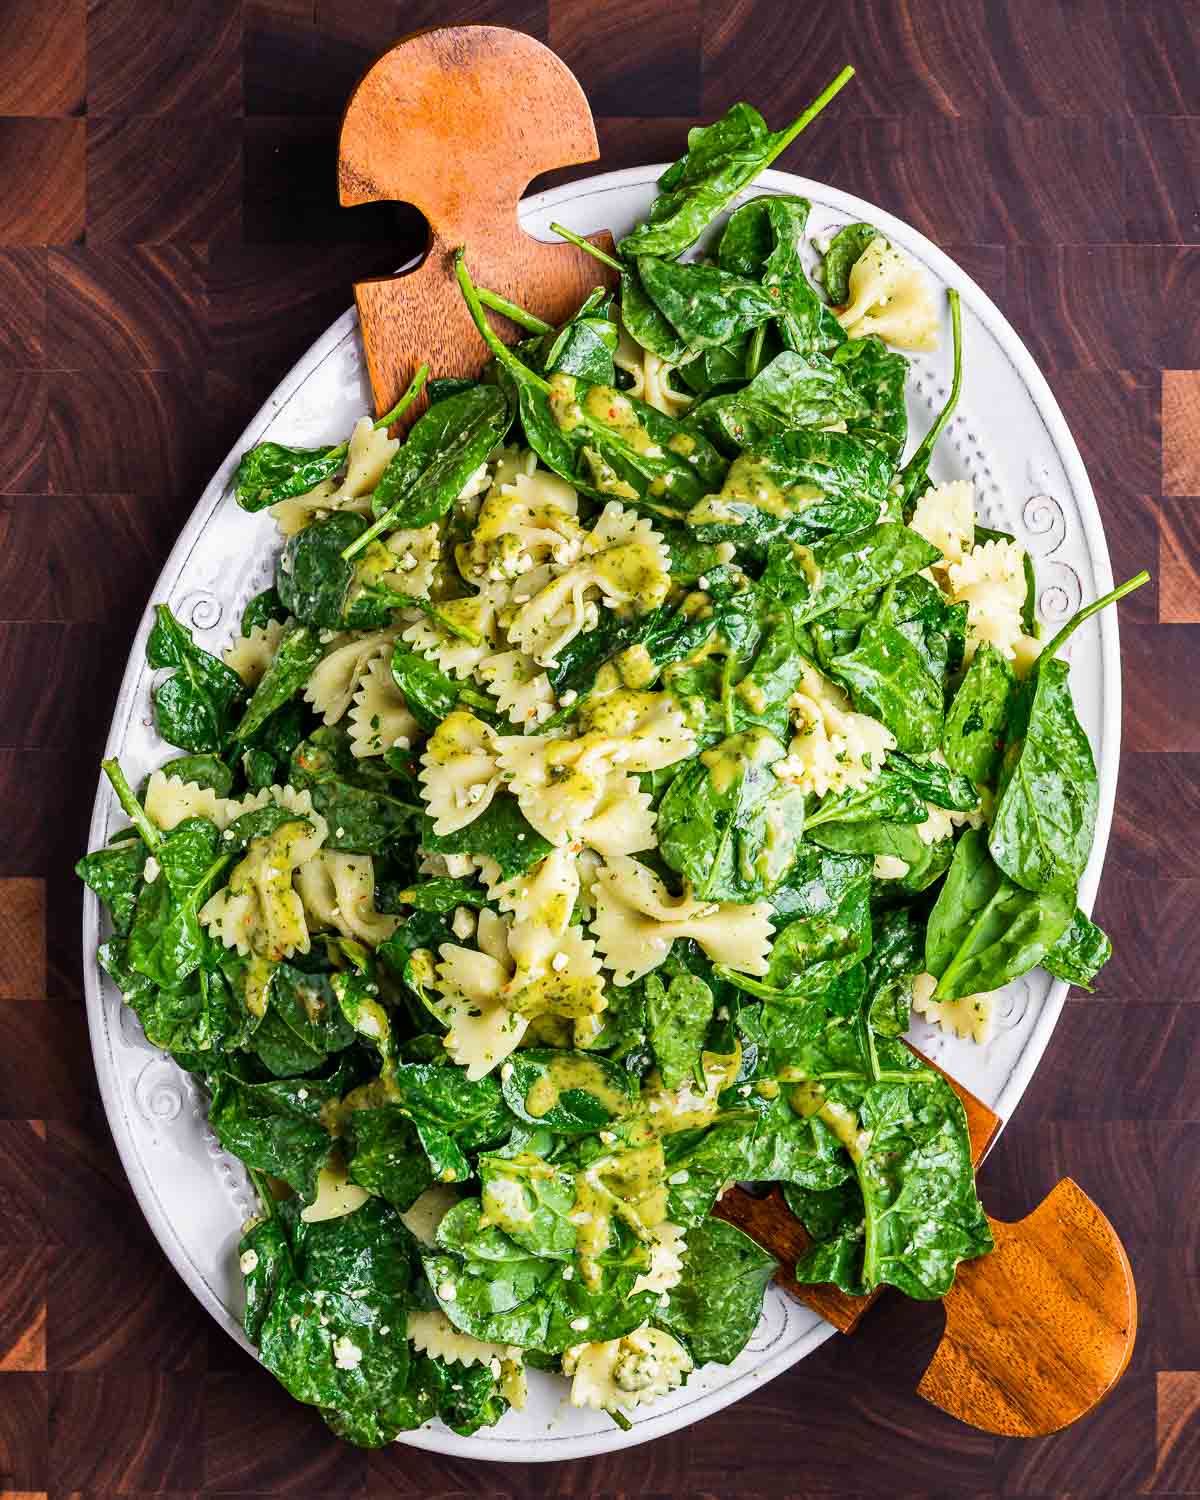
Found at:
[169, 243]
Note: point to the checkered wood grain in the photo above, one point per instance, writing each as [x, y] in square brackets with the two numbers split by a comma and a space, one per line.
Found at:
[170, 243]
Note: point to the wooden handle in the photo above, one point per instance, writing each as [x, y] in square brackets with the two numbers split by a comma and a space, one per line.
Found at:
[1042, 1329]
[772, 1224]
[458, 121]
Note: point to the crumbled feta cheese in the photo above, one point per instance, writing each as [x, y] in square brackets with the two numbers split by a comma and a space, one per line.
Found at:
[151, 870]
[447, 1291]
[248, 1262]
[346, 1354]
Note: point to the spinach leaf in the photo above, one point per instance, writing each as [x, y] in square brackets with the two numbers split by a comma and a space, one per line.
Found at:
[303, 1023]
[465, 1397]
[443, 449]
[984, 929]
[886, 797]
[501, 832]
[887, 678]
[195, 1021]
[431, 695]
[328, 1311]
[934, 782]
[443, 894]
[794, 390]
[801, 485]
[472, 1110]
[720, 161]
[645, 324]
[586, 344]
[355, 797]
[876, 375]
[706, 306]
[275, 1127]
[849, 565]
[299, 652]
[678, 1017]
[194, 707]
[1080, 953]
[115, 875]
[166, 942]
[716, 1306]
[844, 249]
[935, 629]
[727, 824]
[272, 472]
[568, 1093]
[387, 1158]
[766, 236]
[897, 956]
[262, 610]
[443, 387]
[973, 743]
[1045, 817]
[314, 579]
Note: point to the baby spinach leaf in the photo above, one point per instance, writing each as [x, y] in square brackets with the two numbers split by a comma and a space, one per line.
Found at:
[720, 161]
[166, 942]
[569, 1093]
[775, 224]
[678, 1017]
[934, 782]
[801, 485]
[275, 1127]
[314, 579]
[877, 376]
[299, 652]
[429, 470]
[328, 1312]
[472, 1110]
[849, 565]
[443, 894]
[706, 306]
[984, 929]
[886, 797]
[897, 956]
[531, 1200]
[1045, 817]
[501, 832]
[262, 610]
[464, 1397]
[115, 875]
[874, 836]
[303, 1024]
[195, 1021]
[887, 678]
[1080, 953]
[645, 324]
[936, 630]
[794, 390]
[355, 797]
[205, 770]
[272, 472]
[716, 1306]
[844, 249]
[727, 824]
[978, 714]
[387, 1158]
[442, 388]
[194, 707]
[586, 344]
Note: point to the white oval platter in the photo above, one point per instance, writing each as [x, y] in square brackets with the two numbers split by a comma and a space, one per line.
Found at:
[1008, 436]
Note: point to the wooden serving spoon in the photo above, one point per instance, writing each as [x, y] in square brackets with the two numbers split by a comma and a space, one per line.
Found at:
[458, 121]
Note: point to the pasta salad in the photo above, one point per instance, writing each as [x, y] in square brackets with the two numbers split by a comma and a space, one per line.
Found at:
[570, 832]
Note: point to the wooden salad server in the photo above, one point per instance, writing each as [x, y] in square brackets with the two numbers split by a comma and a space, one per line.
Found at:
[457, 121]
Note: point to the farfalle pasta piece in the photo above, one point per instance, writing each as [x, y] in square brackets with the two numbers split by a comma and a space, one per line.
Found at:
[431, 1332]
[627, 1372]
[258, 911]
[622, 559]
[406, 562]
[945, 516]
[370, 451]
[991, 581]
[250, 655]
[637, 920]
[169, 801]
[640, 731]
[558, 782]
[834, 748]
[650, 377]
[521, 688]
[460, 771]
[334, 680]
[454, 654]
[970, 1016]
[890, 296]
[623, 819]
[667, 1249]
[540, 902]
[380, 718]
[523, 524]
[338, 893]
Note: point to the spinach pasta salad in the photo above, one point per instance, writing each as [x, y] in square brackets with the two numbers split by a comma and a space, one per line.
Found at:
[570, 832]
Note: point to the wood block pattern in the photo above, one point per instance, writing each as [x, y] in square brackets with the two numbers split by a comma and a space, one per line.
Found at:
[170, 242]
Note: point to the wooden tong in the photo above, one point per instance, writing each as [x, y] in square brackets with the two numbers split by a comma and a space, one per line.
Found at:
[458, 121]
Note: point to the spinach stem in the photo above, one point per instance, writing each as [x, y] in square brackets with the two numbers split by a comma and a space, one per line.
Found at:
[263, 1191]
[620, 1419]
[415, 386]
[1089, 610]
[593, 250]
[913, 470]
[134, 811]
[513, 311]
[486, 332]
[754, 353]
[829, 92]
